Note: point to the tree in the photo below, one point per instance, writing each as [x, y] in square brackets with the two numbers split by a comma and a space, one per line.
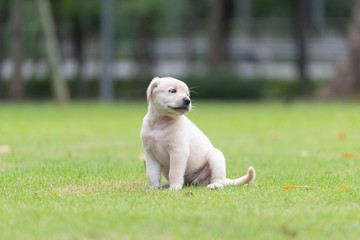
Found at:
[189, 19]
[302, 8]
[221, 14]
[107, 49]
[77, 35]
[60, 88]
[81, 19]
[141, 16]
[143, 49]
[17, 86]
[346, 81]
[3, 19]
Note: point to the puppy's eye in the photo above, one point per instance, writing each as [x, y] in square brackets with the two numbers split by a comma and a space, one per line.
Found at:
[172, 90]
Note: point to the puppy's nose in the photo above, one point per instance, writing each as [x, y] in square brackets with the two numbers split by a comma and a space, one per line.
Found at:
[186, 100]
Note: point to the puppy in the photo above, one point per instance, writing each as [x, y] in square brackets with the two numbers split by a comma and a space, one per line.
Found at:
[175, 147]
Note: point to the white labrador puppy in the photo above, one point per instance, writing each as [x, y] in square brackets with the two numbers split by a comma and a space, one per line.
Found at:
[175, 147]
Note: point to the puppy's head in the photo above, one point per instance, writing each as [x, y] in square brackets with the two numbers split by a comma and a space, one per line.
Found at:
[169, 96]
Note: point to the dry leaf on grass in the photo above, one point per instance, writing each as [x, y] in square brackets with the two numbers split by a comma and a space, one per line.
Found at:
[189, 194]
[54, 193]
[289, 187]
[287, 231]
[304, 154]
[309, 187]
[5, 149]
[350, 155]
[274, 135]
[340, 136]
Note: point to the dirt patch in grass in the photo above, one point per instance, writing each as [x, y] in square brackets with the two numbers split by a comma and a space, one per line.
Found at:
[96, 188]
[6, 166]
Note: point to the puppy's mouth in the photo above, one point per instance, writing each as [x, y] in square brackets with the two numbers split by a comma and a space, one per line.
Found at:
[180, 109]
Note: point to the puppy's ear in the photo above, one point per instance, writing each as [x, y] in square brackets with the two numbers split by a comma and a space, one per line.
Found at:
[153, 84]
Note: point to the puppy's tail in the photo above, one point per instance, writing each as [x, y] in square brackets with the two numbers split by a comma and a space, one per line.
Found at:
[248, 178]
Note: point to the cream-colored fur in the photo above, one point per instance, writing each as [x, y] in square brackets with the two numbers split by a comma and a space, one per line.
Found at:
[174, 146]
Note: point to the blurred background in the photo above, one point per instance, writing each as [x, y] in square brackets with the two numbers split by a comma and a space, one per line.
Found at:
[226, 49]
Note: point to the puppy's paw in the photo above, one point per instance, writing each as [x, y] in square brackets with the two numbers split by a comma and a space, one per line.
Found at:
[152, 189]
[215, 185]
[175, 188]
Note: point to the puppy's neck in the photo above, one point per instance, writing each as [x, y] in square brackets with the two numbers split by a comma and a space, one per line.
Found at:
[161, 117]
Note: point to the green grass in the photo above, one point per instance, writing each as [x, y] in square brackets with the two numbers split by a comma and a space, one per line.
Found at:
[73, 173]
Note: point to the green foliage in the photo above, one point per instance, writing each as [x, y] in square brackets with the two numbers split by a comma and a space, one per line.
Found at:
[228, 86]
[215, 86]
[335, 8]
[73, 173]
[164, 17]
[271, 8]
[134, 9]
[39, 89]
[224, 86]
[5, 7]
[69, 13]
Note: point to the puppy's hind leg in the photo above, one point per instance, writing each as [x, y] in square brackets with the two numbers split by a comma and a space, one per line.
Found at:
[217, 166]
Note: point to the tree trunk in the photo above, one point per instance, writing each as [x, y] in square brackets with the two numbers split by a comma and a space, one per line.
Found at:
[17, 86]
[77, 39]
[60, 88]
[221, 14]
[143, 54]
[2, 23]
[190, 21]
[302, 8]
[346, 80]
[107, 49]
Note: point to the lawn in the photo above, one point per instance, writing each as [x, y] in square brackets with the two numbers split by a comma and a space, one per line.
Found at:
[73, 172]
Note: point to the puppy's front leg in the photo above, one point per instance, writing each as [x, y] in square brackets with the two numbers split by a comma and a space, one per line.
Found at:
[153, 171]
[178, 162]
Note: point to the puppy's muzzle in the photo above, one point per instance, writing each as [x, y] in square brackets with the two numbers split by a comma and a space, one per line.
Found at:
[187, 101]
[184, 105]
